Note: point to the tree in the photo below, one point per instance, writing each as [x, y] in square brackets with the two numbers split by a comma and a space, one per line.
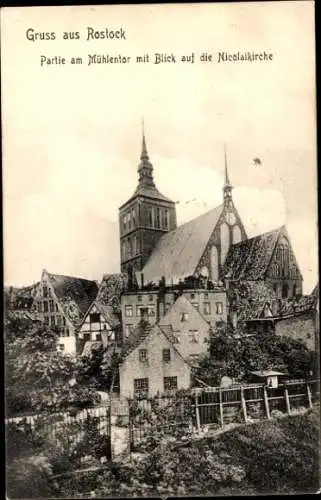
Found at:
[236, 357]
[38, 377]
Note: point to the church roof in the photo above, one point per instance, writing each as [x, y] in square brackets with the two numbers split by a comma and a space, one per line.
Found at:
[250, 258]
[178, 252]
[79, 291]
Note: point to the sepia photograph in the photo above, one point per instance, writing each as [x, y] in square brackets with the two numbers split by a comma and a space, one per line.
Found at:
[160, 231]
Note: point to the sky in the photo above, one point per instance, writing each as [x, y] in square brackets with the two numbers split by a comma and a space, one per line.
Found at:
[72, 133]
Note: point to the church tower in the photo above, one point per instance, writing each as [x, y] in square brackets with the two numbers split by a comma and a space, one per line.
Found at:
[144, 218]
[231, 228]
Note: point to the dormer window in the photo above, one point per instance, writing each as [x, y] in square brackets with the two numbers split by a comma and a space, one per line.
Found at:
[184, 316]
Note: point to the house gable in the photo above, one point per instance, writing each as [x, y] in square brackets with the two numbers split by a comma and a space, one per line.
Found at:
[189, 328]
[153, 366]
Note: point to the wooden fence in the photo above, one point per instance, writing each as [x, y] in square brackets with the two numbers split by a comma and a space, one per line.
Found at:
[217, 407]
[88, 432]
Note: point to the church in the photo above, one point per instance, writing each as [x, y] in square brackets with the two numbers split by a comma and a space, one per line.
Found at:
[213, 246]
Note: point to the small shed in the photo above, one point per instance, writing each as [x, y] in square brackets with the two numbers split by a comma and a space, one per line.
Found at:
[270, 377]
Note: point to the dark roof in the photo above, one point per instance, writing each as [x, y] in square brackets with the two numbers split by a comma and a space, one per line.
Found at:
[137, 336]
[178, 252]
[250, 258]
[110, 290]
[79, 291]
[249, 298]
[109, 314]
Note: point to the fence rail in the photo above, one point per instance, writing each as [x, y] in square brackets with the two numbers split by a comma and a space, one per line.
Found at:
[217, 406]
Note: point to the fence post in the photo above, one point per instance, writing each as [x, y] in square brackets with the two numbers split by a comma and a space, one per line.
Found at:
[197, 412]
[266, 403]
[243, 404]
[221, 409]
[309, 396]
[287, 400]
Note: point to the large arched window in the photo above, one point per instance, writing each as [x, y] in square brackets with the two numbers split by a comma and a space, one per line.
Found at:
[283, 253]
[237, 235]
[214, 263]
[225, 241]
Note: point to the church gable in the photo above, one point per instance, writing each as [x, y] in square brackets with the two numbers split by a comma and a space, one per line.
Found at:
[283, 263]
[228, 228]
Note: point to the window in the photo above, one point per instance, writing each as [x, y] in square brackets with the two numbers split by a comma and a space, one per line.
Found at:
[46, 320]
[207, 308]
[58, 320]
[206, 295]
[129, 221]
[94, 318]
[123, 249]
[134, 245]
[128, 329]
[52, 321]
[192, 295]
[149, 309]
[170, 384]
[285, 290]
[166, 355]
[167, 306]
[64, 320]
[205, 340]
[61, 347]
[165, 219]
[150, 298]
[45, 291]
[219, 307]
[150, 216]
[141, 387]
[134, 217]
[56, 307]
[184, 316]
[39, 307]
[143, 355]
[157, 222]
[98, 336]
[45, 306]
[196, 305]
[51, 306]
[67, 332]
[128, 311]
[129, 247]
[139, 298]
[193, 336]
[124, 221]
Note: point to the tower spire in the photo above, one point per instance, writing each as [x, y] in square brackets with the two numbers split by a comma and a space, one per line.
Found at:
[145, 168]
[144, 154]
[227, 188]
[227, 180]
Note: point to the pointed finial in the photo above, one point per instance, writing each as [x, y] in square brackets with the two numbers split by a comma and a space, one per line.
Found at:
[144, 154]
[227, 180]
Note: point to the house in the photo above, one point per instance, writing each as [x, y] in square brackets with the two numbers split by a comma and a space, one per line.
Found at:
[267, 258]
[257, 310]
[100, 325]
[270, 378]
[188, 328]
[151, 364]
[298, 319]
[211, 303]
[61, 303]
